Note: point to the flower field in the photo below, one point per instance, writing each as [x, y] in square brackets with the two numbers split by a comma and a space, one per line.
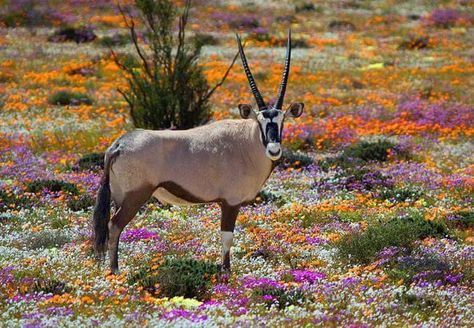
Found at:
[367, 220]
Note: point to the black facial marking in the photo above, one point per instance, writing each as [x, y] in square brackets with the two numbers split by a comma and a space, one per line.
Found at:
[264, 139]
[272, 132]
[270, 113]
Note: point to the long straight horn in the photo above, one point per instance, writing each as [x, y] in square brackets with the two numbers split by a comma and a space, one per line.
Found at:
[286, 73]
[258, 97]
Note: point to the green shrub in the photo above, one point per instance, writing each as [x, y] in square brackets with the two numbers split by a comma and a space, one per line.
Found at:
[362, 247]
[408, 267]
[91, 161]
[369, 151]
[116, 40]
[64, 97]
[279, 296]
[295, 159]
[359, 154]
[202, 39]
[81, 203]
[178, 277]
[51, 286]
[53, 186]
[169, 88]
[267, 196]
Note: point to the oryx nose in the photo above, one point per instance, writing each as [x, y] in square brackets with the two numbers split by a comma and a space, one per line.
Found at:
[274, 148]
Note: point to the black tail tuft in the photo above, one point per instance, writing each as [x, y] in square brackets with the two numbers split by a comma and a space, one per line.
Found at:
[102, 210]
[101, 218]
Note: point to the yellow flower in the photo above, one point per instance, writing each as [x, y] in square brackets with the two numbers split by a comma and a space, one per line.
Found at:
[187, 303]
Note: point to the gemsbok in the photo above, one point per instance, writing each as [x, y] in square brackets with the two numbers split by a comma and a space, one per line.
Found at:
[226, 162]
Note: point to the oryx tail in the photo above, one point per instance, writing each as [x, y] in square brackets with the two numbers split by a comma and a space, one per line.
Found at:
[102, 209]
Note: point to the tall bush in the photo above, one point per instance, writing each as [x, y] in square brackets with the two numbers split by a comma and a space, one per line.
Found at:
[166, 86]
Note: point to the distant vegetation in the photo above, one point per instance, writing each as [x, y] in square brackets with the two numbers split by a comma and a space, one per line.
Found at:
[169, 90]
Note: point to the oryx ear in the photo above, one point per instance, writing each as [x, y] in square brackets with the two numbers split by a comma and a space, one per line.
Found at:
[294, 110]
[246, 111]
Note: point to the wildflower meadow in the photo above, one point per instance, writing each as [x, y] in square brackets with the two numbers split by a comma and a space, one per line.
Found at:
[367, 220]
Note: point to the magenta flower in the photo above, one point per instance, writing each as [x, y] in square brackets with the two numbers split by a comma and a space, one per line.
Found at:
[303, 276]
[133, 235]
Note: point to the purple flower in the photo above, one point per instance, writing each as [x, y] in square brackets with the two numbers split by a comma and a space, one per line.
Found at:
[133, 235]
[350, 281]
[303, 276]
[444, 17]
[251, 282]
[453, 278]
[316, 241]
[268, 298]
[180, 313]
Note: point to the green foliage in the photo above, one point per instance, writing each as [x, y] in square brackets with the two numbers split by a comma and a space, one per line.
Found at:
[116, 40]
[407, 267]
[461, 219]
[91, 161]
[369, 151]
[356, 178]
[279, 296]
[360, 153]
[46, 239]
[64, 97]
[304, 6]
[403, 194]
[169, 88]
[268, 196]
[29, 13]
[201, 39]
[73, 34]
[362, 247]
[53, 186]
[178, 277]
[81, 203]
[51, 286]
[9, 200]
[295, 159]
[59, 222]
[416, 302]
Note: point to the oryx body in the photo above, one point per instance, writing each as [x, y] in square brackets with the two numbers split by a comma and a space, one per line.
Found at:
[202, 163]
[225, 162]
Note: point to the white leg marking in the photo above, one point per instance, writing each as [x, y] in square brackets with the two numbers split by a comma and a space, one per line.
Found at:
[227, 239]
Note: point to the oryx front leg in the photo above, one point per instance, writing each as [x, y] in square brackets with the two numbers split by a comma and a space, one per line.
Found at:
[229, 216]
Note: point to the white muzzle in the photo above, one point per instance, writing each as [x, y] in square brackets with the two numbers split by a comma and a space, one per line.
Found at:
[273, 151]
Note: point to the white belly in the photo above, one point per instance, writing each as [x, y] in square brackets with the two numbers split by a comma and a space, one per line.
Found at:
[165, 197]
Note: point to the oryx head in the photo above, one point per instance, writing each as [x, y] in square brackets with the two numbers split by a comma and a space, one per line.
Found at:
[270, 119]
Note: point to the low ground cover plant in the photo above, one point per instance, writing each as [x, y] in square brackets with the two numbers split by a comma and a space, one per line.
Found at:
[178, 277]
[65, 98]
[401, 231]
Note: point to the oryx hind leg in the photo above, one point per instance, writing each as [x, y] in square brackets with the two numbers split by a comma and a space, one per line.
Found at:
[228, 218]
[127, 210]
